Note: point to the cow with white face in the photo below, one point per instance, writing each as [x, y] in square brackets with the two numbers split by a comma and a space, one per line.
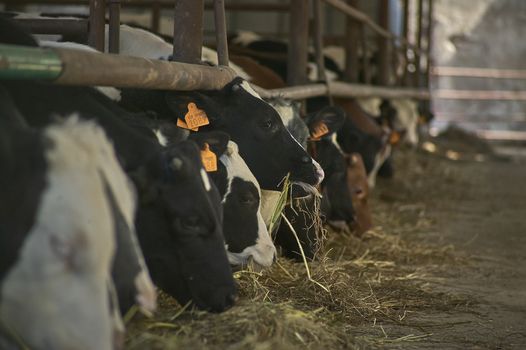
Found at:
[58, 242]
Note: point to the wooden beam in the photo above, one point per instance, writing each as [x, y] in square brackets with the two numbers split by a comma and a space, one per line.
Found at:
[97, 21]
[429, 35]
[188, 31]
[298, 42]
[405, 34]
[155, 24]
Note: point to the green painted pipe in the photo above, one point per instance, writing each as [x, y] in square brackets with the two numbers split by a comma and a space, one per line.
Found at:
[19, 62]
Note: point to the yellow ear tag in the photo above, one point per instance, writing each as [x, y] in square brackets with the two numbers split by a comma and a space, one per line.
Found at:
[195, 117]
[320, 130]
[183, 125]
[209, 159]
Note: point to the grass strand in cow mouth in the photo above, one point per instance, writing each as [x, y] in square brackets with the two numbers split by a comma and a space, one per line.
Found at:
[282, 201]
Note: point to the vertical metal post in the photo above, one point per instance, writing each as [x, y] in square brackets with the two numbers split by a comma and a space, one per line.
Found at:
[418, 70]
[383, 44]
[156, 17]
[405, 35]
[429, 35]
[188, 30]
[318, 39]
[114, 26]
[351, 45]
[97, 13]
[220, 26]
[365, 55]
[298, 42]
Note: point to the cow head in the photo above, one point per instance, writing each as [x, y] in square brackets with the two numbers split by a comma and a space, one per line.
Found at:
[179, 225]
[264, 143]
[246, 235]
[336, 200]
[359, 191]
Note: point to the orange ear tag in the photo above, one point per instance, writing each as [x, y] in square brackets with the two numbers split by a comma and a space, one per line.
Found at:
[320, 130]
[209, 159]
[195, 117]
[183, 125]
[394, 138]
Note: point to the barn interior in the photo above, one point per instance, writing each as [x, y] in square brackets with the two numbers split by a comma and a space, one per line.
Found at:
[442, 263]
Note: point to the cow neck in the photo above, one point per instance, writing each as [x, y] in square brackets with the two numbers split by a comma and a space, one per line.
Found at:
[12, 336]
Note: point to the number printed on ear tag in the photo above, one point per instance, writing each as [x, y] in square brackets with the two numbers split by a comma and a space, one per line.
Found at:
[320, 130]
[183, 125]
[195, 117]
[209, 159]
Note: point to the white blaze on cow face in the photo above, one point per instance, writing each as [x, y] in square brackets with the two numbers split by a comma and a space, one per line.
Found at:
[379, 159]
[160, 137]
[407, 119]
[263, 250]
[56, 295]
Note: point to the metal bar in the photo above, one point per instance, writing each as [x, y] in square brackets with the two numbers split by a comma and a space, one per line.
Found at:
[362, 17]
[418, 71]
[339, 89]
[505, 95]
[97, 10]
[365, 58]
[318, 39]
[76, 27]
[429, 35]
[156, 17]
[188, 31]
[383, 44]
[221, 36]
[405, 34]
[351, 45]
[474, 72]
[114, 26]
[298, 42]
[276, 7]
[68, 67]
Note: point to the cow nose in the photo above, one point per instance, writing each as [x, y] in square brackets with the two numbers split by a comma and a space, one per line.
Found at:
[306, 159]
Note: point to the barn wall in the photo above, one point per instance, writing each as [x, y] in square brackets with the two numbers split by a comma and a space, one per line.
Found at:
[480, 33]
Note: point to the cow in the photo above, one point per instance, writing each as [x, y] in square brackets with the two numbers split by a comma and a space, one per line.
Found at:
[182, 240]
[57, 235]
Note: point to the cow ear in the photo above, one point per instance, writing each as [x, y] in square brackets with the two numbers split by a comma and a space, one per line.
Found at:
[216, 140]
[178, 103]
[325, 122]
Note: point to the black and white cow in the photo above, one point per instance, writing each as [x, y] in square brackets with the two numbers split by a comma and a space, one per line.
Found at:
[57, 236]
[336, 203]
[181, 239]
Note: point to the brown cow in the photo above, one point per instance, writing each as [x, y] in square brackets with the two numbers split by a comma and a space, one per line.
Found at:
[357, 184]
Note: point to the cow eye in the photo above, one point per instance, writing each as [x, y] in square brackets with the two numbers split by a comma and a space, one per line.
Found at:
[191, 223]
[247, 199]
[267, 124]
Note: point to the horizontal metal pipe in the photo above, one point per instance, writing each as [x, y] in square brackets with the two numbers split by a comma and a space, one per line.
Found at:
[163, 3]
[68, 67]
[340, 89]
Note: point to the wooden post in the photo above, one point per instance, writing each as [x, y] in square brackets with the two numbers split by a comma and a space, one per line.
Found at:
[318, 39]
[383, 44]
[97, 13]
[298, 42]
[156, 17]
[351, 45]
[220, 26]
[188, 30]
[114, 26]
[418, 71]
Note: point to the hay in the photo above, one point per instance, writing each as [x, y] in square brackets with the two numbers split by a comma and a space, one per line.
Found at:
[367, 293]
